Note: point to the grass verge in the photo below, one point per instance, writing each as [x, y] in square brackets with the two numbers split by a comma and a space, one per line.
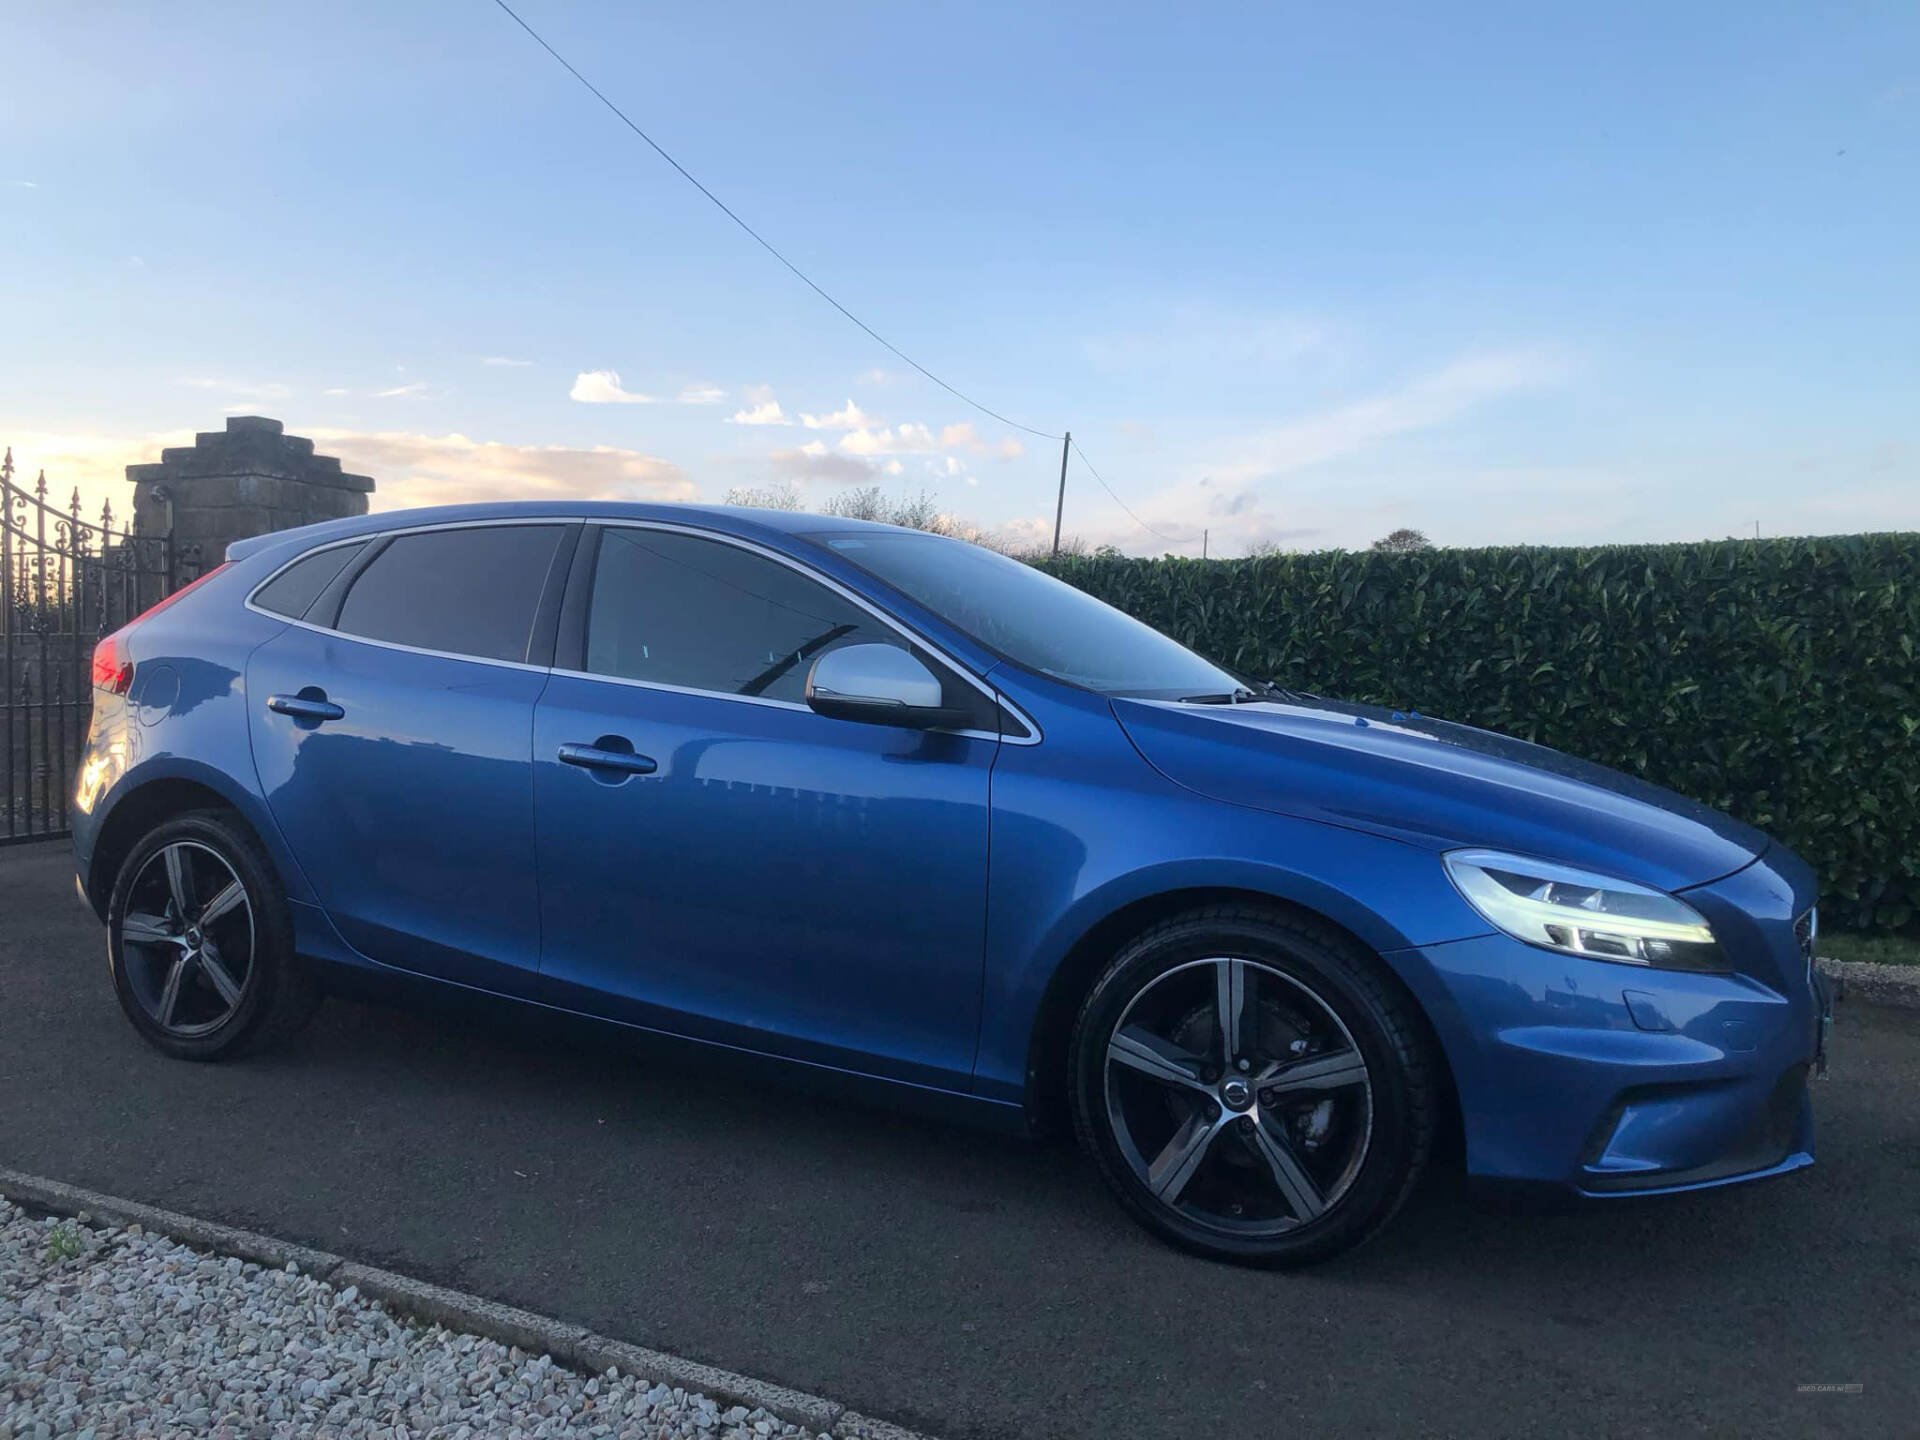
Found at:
[1877, 949]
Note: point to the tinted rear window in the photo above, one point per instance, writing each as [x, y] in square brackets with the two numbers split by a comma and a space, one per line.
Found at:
[293, 591]
[468, 592]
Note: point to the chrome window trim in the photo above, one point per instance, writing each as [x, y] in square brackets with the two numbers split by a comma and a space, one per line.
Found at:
[898, 627]
[373, 535]
[288, 565]
[827, 582]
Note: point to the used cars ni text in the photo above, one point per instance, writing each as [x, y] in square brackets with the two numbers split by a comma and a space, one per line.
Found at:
[895, 806]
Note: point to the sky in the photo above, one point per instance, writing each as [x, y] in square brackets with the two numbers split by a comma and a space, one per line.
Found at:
[1294, 275]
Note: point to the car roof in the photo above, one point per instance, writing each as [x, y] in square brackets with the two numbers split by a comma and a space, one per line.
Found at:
[734, 519]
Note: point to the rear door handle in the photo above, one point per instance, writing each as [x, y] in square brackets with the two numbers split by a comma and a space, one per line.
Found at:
[594, 757]
[305, 707]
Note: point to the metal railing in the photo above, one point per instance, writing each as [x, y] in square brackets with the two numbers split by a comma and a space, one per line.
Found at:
[65, 582]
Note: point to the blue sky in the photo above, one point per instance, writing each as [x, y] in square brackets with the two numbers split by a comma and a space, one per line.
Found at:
[1293, 274]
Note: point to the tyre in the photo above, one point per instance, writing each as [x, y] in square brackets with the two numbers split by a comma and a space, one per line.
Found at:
[200, 941]
[1253, 1086]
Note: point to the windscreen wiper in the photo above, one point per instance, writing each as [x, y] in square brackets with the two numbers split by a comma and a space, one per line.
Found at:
[1241, 696]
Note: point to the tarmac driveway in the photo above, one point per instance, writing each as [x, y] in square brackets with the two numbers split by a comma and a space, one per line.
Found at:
[963, 1283]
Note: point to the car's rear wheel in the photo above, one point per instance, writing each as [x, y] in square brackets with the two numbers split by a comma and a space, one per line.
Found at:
[200, 941]
[1253, 1086]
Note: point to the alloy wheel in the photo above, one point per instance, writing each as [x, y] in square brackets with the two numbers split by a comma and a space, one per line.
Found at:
[1238, 1096]
[187, 936]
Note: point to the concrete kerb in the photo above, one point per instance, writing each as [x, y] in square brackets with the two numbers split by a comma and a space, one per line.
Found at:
[570, 1345]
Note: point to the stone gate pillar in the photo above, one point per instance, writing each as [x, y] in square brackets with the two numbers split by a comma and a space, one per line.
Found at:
[245, 480]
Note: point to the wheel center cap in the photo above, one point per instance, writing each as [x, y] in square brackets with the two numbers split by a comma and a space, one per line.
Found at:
[193, 936]
[1237, 1094]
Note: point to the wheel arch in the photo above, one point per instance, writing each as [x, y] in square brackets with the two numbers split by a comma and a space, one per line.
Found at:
[1073, 978]
[157, 795]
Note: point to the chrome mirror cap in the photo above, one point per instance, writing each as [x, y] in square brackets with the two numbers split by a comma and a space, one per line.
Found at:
[880, 684]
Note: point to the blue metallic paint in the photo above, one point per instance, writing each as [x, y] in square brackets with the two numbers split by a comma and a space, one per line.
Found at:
[445, 844]
[414, 812]
[809, 886]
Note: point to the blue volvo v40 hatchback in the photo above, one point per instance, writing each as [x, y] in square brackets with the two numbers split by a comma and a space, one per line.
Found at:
[894, 806]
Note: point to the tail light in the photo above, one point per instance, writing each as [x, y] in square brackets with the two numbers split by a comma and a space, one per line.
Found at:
[112, 663]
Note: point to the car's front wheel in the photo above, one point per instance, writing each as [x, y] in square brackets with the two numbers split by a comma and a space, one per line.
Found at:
[1253, 1086]
[200, 941]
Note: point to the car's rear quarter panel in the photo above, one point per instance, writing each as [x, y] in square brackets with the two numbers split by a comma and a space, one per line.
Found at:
[184, 718]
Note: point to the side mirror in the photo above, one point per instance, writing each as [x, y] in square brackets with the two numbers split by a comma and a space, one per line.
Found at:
[881, 685]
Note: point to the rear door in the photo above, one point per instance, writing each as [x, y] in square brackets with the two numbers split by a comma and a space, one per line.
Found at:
[391, 728]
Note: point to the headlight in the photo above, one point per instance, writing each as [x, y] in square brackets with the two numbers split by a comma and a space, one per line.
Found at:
[1580, 913]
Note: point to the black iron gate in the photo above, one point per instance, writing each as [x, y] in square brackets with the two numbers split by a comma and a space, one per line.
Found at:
[64, 583]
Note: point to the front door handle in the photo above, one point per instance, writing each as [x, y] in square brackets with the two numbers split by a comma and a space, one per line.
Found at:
[597, 757]
[305, 707]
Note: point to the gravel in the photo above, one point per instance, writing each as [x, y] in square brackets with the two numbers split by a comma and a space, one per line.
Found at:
[1876, 982]
[120, 1332]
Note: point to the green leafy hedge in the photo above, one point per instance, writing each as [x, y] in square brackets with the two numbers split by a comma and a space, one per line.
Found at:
[1774, 679]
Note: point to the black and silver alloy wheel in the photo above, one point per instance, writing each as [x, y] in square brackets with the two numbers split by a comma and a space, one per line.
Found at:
[200, 940]
[1253, 1085]
[188, 938]
[1237, 1096]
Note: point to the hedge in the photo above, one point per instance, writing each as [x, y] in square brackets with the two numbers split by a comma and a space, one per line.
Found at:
[1774, 679]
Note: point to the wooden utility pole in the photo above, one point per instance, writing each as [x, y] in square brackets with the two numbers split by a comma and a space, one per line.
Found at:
[1060, 505]
[1203, 544]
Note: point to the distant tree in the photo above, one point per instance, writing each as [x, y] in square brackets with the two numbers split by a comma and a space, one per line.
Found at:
[871, 502]
[767, 497]
[1265, 548]
[1402, 541]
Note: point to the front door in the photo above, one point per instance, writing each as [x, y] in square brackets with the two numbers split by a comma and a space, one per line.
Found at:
[729, 864]
[393, 740]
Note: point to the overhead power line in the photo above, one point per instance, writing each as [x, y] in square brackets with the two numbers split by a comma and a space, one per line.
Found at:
[1121, 503]
[762, 240]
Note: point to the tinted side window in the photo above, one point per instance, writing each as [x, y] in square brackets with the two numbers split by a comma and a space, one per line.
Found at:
[470, 592]
[293, 591]
[679, 610]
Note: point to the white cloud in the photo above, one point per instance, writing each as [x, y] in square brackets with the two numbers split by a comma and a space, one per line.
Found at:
[87, 461]
[1427, 402]
[894, 467]
[912, 438]
[413, 469]
[249, 390]
[850, 417]
[907, 439]
[417, 387]
[767, 412]
[336, 390]
[602, 387]
[813, 461]
[1234, 490]
[28, 184]
[408, 469]
[502, 360]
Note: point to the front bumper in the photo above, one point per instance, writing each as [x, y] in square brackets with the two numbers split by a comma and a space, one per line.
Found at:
[1608, 1079]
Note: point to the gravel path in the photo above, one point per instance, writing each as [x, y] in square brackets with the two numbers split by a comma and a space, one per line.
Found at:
[117, 1332]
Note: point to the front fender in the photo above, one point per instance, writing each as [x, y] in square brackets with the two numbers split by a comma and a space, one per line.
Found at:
[1084, 830]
